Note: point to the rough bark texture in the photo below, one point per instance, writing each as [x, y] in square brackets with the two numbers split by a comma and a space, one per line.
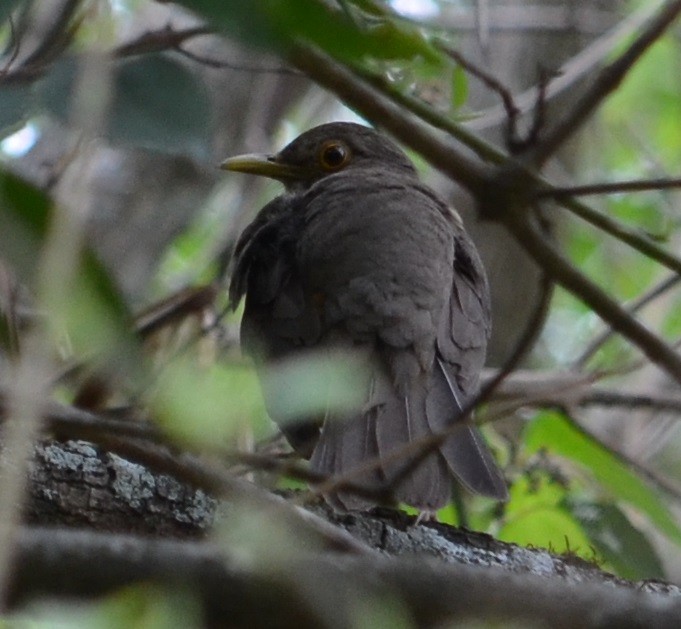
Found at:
[75, 484]
[312, 567]
[325, 590]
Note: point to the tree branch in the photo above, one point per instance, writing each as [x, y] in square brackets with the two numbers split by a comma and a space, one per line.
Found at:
[641, 302]
[624, 233]
[607, 80]
[567, 276]
[310, 587]
[376, 107]
[614, 187]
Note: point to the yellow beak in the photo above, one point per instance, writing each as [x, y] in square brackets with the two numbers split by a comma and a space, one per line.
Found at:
[264, 165]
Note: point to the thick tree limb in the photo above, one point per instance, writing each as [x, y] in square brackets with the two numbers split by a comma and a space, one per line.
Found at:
[324, 591]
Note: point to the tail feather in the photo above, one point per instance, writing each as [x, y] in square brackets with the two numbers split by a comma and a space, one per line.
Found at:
[465, 451]
[471, 462]
[388, 423]
[394, 417]
[345, 445]
[401, 422]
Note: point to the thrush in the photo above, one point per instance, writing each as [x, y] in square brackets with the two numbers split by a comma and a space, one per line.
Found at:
[358, 252]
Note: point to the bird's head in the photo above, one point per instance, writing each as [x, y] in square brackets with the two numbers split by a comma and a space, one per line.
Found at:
[323, 151]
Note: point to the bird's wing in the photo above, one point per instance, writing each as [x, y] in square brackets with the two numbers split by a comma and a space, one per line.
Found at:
[278, 317]
[461, 347]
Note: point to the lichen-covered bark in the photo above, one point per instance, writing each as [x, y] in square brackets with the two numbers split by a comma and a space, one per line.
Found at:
[76, 484]
[437, 572]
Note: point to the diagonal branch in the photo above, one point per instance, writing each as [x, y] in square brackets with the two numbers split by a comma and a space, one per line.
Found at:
[562, 271]
[624, 233]
[660, 289]
[607, 80]
[380, 109]
[614, 187]
[166, 38]
[479, 146]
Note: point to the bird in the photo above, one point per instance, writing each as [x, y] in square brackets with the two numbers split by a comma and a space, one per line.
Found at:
[357, 252]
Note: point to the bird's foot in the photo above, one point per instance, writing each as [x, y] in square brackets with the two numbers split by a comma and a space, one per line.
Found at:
[426, 515]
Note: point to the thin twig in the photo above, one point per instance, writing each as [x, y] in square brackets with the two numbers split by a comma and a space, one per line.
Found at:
[656, 291]
[563, 272]
[614, 187]
[514, 142]
[57, 37]
[159, 40]
[572, 389]
[487, 79]
[624, 369]
[624, 233]
[169, 38]
[625, 399]
[220, 64]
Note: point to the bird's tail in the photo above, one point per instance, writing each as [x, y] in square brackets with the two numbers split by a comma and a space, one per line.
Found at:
[386, 445]
[465, 451]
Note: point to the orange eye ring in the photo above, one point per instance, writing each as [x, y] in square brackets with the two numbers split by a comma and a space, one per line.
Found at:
[333, 155]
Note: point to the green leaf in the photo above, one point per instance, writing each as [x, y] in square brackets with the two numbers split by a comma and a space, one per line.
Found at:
[459, 87]
[315, 383]
[6, 8]
[141, 606]
[91, 307]
[16, 104]
[249, 21]
[157, 104]
[650, 96]
[535, 515]
[206, 406]
[24, 216]
[276, 25]
[621, 544]
[96, 317]
[550, 431]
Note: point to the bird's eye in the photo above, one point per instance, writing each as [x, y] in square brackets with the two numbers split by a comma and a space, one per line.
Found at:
[333, 155]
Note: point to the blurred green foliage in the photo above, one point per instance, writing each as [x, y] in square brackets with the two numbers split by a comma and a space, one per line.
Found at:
[157, 103]
[144, 606]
